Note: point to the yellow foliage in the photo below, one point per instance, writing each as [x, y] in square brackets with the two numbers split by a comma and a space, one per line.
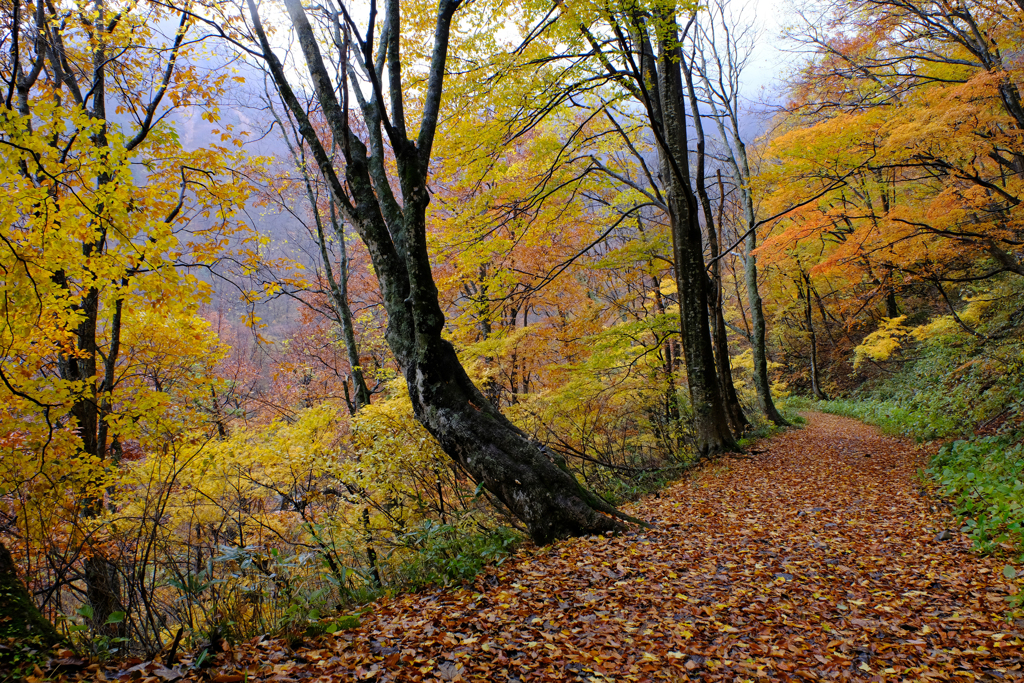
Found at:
[881, 344]
[396, 455]
[780, 390]
[892, 334]
[971, 315]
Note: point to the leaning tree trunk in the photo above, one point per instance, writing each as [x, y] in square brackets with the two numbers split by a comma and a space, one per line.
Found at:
[534, 484]
[532, 481]
[20, 619]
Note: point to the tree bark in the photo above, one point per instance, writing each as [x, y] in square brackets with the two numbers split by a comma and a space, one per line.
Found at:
[724, 103]
[655, 81]
[339, 290]
[529, 479]
[720, 336]
[758, 335]
[892, 309]
[809, 321]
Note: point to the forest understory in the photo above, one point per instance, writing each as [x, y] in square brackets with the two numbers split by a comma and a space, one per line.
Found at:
[822, 554]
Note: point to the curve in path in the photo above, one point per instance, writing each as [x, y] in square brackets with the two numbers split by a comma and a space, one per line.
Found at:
[815, 559]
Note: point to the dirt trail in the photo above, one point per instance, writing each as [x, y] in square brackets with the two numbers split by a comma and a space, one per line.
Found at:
[815, 559]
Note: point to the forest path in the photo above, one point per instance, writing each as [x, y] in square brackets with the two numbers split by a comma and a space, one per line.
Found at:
[816, 558]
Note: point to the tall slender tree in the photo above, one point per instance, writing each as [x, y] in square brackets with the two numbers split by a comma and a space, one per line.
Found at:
[646, 44]
[336, 275]
[721, 50]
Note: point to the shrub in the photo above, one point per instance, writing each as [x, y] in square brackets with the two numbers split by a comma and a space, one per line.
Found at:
[983, 477]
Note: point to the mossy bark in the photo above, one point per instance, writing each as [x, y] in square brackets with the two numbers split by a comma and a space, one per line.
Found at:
[526, 477]
[20, 619]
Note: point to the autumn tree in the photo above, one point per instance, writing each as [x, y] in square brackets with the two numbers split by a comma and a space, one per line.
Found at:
[642, 50]
[105, 208]
[720, 51]
[389, 213]
[912, 113]
[328, 230]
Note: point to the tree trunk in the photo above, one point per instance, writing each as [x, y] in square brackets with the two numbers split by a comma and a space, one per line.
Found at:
[655, 80]
[671, 415]
[103, 590]
[711, 421]
[90, 412]
[720, 335]
[758, 334]
[20, 619]
[339, 292]
[532, 481]
[892, 309]
[724, 103]
[809, 321]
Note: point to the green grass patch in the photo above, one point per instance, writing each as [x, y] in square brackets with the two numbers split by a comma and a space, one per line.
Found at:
[917, 418]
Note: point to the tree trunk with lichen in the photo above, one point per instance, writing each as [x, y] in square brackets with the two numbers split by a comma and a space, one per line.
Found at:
[532, 481]
[667, 114]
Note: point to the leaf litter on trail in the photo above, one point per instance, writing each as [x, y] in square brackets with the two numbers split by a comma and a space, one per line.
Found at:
[808, 561]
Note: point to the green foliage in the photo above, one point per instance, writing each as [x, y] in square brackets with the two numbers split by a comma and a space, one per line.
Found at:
[102, 644]
[447, 555]
[983, 479]
[959, 376]
[917, 417]
[621, 489]
[20, 657]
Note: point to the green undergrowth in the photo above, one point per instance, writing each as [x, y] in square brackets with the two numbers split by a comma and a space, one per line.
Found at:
[917, 417]
[447, 555]
[444, 555]
[983, 477]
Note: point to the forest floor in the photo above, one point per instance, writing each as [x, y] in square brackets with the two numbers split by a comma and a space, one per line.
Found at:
[820, 556]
